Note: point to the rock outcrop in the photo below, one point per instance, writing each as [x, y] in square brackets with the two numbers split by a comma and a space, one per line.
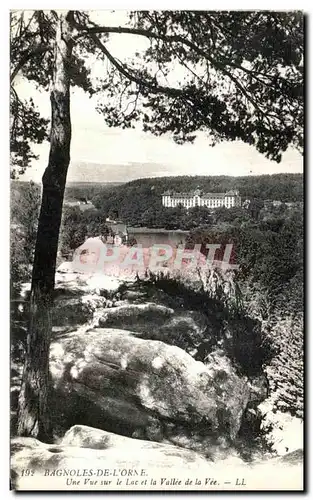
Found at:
[146, 387]
[98, 453]
[153, 321]
[93, 459]
[76, 310]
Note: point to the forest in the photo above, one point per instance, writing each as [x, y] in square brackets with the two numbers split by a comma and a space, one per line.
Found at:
[140, 203]
[284, 187]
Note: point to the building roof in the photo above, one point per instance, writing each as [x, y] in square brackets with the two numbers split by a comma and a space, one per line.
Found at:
[213, 195]
[199, 193]
[232, 193]
[154, 230]
[172, 193]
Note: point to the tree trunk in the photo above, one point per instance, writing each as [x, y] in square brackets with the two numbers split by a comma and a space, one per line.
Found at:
[33, 418]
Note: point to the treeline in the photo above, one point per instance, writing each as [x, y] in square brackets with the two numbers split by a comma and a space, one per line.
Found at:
[87, 190]
[180, 218]
[269, 252]
[135, 201]
[139, 202]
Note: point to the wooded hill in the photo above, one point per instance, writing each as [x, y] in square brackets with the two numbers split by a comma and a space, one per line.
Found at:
[137, 196]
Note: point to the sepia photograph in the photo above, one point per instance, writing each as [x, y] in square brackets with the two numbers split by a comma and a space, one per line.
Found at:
[156, 250]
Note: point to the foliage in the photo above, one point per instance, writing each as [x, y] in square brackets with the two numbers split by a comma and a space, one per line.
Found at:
[241, 75]
[235, 215]
[24, 219]
[217, 296]
[78, 225]
[270, 257]
[139, 203]
[26, 127]
[286, 371]
[269, 252]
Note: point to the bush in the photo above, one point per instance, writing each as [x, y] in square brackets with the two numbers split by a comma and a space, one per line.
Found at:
[25, 206]
[229, 326]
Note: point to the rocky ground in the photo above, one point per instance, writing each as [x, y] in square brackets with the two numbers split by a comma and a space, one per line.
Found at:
[91, 459]
[129, 374]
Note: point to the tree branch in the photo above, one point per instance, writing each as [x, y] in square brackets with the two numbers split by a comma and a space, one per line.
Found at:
[27, 56]
[169, 38]
[155, 88]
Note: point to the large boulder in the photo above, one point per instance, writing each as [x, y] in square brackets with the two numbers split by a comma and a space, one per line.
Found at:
[110, 379]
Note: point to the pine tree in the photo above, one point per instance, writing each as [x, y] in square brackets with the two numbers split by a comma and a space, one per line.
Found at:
[241, 79]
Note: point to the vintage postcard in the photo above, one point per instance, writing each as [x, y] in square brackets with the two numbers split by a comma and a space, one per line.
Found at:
[156, 250]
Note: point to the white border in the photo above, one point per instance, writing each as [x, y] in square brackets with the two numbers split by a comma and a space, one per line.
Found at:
[161, 5]
[4, 177]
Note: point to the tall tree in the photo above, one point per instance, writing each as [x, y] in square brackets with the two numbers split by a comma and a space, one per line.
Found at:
[236, 75]
[33, 396]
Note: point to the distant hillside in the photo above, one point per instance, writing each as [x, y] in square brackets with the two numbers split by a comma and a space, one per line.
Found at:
[73, 190]
[89, 190]
[130, 200]
[133, 198]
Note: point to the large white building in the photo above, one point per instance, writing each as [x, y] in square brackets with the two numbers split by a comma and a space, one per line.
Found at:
[198, 198]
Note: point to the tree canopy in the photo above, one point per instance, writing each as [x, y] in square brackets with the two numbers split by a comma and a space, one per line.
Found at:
[235, 75]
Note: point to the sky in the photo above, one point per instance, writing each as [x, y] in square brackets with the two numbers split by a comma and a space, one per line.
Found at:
[103, 154]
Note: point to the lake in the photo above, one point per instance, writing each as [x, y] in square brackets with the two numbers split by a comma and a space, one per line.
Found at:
[154, 236]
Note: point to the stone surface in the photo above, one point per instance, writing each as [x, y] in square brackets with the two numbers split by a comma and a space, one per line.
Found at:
[135, 315]
[146, 386]
[85, 448]
[76, 310]
[183, 328]
[92, 459]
